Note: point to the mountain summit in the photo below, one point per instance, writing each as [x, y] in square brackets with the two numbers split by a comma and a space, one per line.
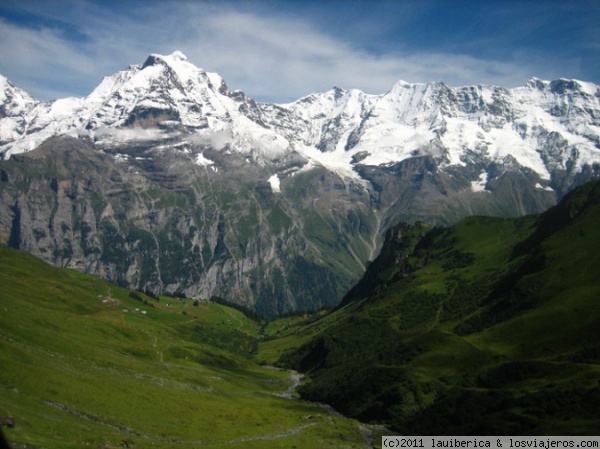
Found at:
[165, 180]
[543, 126]
[175, 57]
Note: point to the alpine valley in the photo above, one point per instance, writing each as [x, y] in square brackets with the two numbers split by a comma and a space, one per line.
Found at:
[163, 180]
[487, 327]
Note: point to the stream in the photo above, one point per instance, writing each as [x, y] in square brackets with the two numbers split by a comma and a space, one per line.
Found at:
[366, 430]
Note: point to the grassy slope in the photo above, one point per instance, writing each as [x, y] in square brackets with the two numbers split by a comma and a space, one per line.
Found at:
[495, 330]
[79, 372]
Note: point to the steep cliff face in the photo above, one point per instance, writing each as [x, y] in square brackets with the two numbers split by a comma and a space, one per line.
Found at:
[162, 179]
[168, 225]
[159, 221]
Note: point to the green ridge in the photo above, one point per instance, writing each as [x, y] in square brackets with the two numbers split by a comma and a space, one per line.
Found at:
[489, 327]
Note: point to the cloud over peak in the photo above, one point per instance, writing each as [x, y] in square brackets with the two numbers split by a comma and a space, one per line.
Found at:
[274, 51]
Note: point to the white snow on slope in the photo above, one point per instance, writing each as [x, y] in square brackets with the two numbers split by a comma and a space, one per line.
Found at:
[275, 183]
[479, 185]
[202, 160]
[542, 125]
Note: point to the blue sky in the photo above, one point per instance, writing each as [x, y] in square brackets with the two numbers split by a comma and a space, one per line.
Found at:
[279, 51]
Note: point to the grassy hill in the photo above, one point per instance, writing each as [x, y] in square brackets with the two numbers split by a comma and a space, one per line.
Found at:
[87, 364]
[489, 327]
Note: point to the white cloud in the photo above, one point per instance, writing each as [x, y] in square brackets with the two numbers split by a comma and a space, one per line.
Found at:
[128, 134]
[270, 57]
[35, 57]
[285, 57]
[214, 139]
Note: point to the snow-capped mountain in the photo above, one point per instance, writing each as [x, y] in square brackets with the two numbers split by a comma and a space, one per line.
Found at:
[163, 179]
[543, 125]
[450, 124]
[166, 94]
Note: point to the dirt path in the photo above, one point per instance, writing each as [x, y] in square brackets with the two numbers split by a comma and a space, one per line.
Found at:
[96, 419]
[273, 436]
[159, 352]
[296, 380]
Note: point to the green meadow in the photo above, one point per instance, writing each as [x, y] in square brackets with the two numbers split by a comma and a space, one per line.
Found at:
[87, 364]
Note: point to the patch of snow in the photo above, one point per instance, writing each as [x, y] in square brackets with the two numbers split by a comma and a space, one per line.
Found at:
[589, 88]
[275, 183]
[121, 157]
[547, 188]
[338, 161]
[216, 139]
[201, 160]
[479, 185]
[66, 107]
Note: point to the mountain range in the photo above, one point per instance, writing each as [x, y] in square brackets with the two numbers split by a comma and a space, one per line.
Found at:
[164, 180]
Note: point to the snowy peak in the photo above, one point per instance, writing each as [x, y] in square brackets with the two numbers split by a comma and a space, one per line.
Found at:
[163, 88]
[563, 86]
[172, 95]
[327, 119]
[543, 126]
[13, 101]
[171, 59]
[167, 94]
[15, 105]
[493, 122]
[175, 68]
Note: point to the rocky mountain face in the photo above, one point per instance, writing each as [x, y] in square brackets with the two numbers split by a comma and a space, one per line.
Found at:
[164, 180]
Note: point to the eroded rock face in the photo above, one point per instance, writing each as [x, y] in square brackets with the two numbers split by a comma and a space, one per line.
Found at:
[171, 226]
[161, 222]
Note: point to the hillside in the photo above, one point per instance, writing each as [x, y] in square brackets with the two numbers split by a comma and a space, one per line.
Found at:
[488, 327]
[88, 364]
